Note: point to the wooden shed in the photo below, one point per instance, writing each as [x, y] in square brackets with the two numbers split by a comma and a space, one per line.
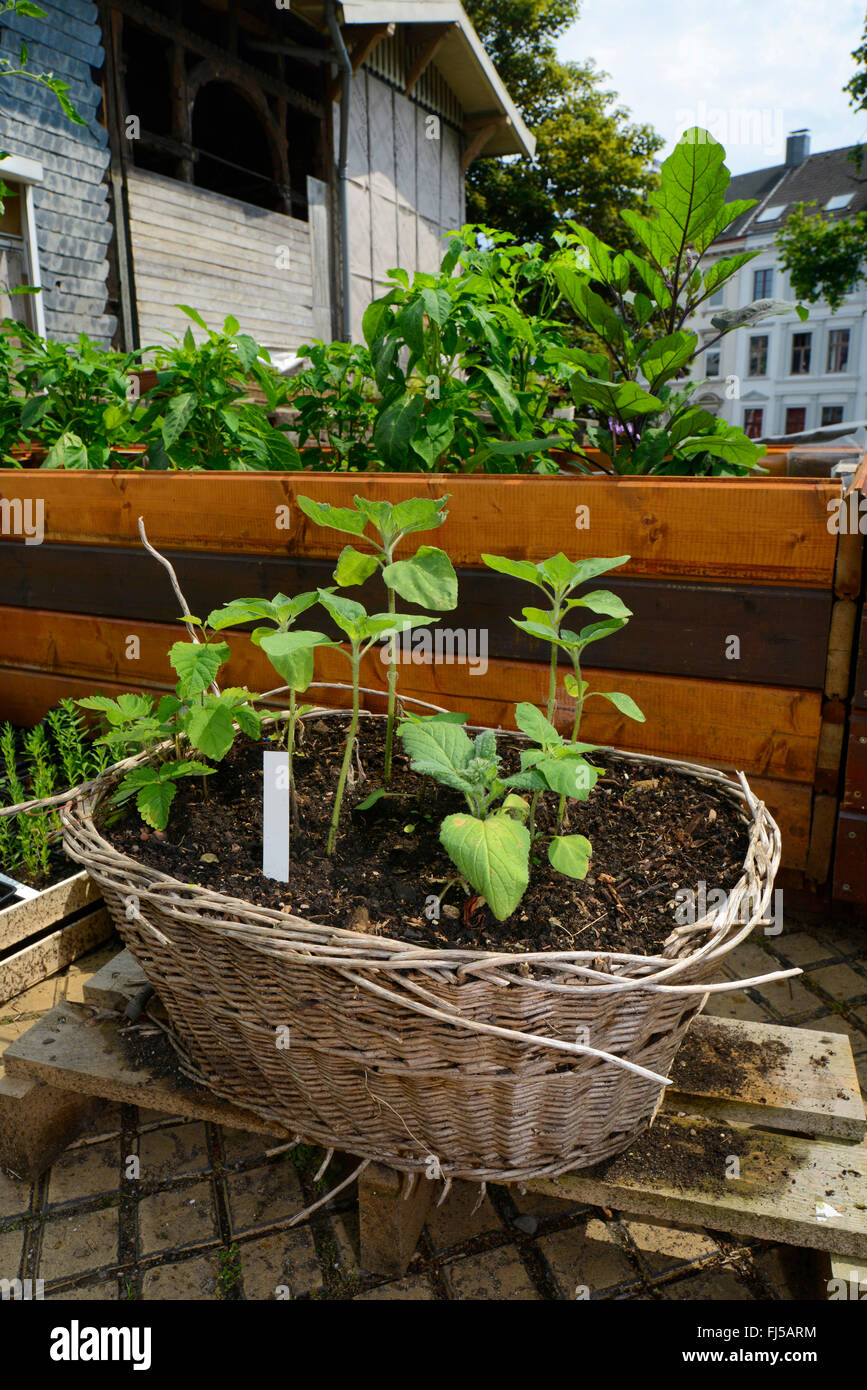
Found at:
[211, 169]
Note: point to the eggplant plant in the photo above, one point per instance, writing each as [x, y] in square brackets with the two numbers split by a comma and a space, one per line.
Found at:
[632, 310]
[363, 630]
[426, 578]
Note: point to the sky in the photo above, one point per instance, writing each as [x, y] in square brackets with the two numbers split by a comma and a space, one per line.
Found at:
[749, 71]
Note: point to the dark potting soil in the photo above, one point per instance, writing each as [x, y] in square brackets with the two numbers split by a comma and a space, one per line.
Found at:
[726, 1063]
[652, 831]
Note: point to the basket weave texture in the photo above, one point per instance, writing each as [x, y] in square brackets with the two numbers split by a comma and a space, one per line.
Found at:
[498, 1067]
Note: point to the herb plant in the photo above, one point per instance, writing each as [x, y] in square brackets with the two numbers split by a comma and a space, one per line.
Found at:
[426, 578]
[334, 398]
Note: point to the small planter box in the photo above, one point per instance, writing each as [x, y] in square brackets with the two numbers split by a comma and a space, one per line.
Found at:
[740, 652]
[41, 933]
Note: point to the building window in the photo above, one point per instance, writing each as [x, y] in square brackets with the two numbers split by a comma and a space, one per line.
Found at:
[753, 423]
[796, 419]
[758, 365]
[712, 364]
[19, 255]
[718, 297]
[832, 414]
[763, 283]
[801, 353]
[838, 350]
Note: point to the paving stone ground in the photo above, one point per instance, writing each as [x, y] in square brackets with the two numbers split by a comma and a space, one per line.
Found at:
[208, 1217]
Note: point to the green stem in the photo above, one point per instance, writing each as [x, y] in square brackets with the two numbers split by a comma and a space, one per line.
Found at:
[290, 749]
[576, 725]
[392, 690]
[347, 753]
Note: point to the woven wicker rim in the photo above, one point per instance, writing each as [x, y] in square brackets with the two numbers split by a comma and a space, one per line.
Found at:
[295, 938]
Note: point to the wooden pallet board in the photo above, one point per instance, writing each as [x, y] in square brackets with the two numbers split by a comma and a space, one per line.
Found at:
[785, 1078]
[764, 531]
[72, 1048]
[790, 1189]
[52, 951]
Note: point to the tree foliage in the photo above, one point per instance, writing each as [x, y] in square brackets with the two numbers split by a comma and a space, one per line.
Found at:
[590, 159]
[827, 258]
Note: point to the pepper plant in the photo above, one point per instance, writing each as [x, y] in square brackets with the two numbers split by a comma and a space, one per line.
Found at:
[632, 309]
[363, 630]
[426, 578]
[334, 398]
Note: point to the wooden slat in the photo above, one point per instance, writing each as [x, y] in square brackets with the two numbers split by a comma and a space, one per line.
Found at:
[65, 1050]
[769, 532]
[855, 792]
[800, 1191]
[764, 730]
[677, 628]
[39, 959]
[850, 858]
[823, 830]
[859, 696]
[27, 918]
[762, 1074]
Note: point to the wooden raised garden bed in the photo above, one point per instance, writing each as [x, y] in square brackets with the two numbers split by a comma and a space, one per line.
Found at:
[712, 560]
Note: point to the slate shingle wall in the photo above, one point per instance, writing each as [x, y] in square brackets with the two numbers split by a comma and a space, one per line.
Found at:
[72, 205]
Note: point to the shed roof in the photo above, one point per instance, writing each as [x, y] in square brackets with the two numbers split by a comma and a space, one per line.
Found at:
[461, 60]
[819, 178]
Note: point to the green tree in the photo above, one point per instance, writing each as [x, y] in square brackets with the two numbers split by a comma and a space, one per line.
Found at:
[590, 162]
[827, 258]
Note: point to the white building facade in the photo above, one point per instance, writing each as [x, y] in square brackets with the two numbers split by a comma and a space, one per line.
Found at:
[784, 377]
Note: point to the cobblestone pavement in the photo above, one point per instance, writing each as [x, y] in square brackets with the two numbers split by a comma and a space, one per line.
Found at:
[208, 1218]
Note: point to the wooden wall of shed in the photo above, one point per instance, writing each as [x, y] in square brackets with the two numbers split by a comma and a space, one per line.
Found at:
[71, 205]
[406, 189]
[221, 256]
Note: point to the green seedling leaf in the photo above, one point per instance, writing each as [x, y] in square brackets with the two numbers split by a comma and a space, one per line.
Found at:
[338, 518]
[210, 728]
[440, 750]
[493, 855]
[427, 578]
[354, 568]
[197, 664]
[532, 722]
[624, 703]
[374, 797]
[570, 776]
[570, 854]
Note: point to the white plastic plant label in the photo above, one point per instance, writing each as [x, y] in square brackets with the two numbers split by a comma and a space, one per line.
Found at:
[275, 817]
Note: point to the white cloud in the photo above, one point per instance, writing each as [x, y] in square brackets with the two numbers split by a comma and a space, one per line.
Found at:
[750, 70]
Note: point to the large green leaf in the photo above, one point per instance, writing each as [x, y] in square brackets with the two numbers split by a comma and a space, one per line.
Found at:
[692, 187]
[419, 514]
[439, 750]
[154, 803]
[210, 728]
[427, 578]
[348, 615]
[625, 399]
[665, 357]
[736, 448]
[178, 414]
[532, 722]
[197, 664]
[353, 567]
[624, 703]
[603, 601]
[590, 307]
[493, 855]
[291, 655]
[395, 427]
[570, 854]
[338, 518]
[570, 775]
[518, 569]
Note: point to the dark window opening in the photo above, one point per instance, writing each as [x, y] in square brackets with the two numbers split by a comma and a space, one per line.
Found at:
[753, 423]
[234, 154]
[838, 351]
[712, 364]
[304, 144]
[796, 419]
[146, 121]
[758, 364]
[832, 414]
[801, 344]
[763, 284]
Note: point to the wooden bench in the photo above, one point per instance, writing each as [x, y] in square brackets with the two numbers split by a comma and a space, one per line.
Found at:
[761, 1135]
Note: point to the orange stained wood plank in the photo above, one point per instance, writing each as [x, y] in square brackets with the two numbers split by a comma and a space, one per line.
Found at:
[766, 730]
[771, 531]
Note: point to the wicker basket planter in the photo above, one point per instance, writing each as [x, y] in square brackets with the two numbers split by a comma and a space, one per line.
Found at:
[497, 1066]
